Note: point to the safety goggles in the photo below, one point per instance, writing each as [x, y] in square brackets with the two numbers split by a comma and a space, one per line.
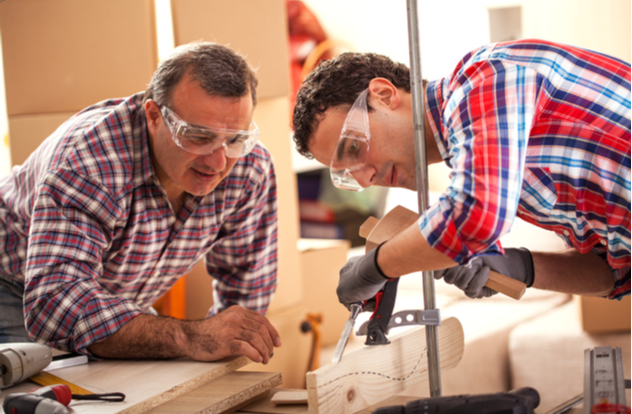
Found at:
[353, 146]
[205, 140]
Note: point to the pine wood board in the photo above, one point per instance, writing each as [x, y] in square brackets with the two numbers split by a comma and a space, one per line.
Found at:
[226, 394]
[146, 384]
[374, 373]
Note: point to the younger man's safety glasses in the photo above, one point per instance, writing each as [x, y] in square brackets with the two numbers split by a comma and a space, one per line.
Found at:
[353, 146]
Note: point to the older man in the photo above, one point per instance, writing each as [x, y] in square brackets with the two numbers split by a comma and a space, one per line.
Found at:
[124, 198]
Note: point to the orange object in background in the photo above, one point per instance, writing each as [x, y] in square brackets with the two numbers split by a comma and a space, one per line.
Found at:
[305, 34]
[173, 303]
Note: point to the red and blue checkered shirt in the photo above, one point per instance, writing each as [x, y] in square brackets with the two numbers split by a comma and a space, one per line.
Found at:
[87, 230]
[540, 131]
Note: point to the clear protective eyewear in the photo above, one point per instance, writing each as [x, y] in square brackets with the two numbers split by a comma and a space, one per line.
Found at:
[206, 140]
[353, 146]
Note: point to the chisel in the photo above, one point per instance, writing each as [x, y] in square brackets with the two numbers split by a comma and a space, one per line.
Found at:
[355, 309]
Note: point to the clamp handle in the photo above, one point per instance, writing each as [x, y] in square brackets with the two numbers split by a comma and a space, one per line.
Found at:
[384, 304]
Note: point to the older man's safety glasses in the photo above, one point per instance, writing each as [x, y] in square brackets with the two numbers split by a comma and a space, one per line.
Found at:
[205, 140]
[353, 146]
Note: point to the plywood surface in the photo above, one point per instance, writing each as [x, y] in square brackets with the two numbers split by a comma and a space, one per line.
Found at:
[227, 393]
[375, 373]
[146, 384]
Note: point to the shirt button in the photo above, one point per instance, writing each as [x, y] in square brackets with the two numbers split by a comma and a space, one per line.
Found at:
[567, 233]
[604, 242]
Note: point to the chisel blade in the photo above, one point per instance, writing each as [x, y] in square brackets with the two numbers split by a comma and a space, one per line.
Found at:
[355, 308]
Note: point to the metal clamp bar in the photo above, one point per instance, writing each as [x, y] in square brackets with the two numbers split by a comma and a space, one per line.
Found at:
[416, 84]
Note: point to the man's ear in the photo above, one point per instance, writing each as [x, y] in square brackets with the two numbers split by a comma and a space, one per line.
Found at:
[152, 113]
[383, 91]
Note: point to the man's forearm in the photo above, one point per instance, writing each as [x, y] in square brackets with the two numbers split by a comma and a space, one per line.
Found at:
[569, 271]
[145, 337]
[409, 252]
[235, 331]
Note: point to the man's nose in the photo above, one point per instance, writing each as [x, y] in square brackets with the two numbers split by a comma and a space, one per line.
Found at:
[216, 159]
[365, 176]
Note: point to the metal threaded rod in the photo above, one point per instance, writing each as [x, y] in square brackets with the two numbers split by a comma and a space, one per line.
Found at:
[416, 84]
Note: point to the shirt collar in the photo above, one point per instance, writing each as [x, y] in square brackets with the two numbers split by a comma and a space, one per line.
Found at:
[435, 91]
[143, 169]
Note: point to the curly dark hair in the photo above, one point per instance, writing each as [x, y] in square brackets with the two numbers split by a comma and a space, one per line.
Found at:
[339, 81]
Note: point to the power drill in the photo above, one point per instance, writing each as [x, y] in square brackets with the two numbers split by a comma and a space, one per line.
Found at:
[520, 401]
[51, 400]
[45, 400]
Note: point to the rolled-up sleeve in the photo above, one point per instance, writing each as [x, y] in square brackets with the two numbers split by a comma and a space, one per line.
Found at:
[487, 116]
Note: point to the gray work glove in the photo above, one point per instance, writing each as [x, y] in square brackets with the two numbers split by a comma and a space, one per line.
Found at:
[471, 278]
[361, 279]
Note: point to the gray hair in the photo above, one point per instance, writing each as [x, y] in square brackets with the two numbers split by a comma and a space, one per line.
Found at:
[220, 70]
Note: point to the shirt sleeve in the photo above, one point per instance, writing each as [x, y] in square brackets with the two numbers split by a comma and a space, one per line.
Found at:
[72, 225]
[243, 261]
[487, 117]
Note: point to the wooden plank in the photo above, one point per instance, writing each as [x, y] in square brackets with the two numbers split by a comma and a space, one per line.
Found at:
[146, 384]
[266, 406]
[225, 394]
[400, 218]
[290, 397]
[374, 373]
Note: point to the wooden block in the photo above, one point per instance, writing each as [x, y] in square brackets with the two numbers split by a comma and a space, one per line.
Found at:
[290, 397]
[227, 393]
[375, 373]
[266, 406]
[367, 226]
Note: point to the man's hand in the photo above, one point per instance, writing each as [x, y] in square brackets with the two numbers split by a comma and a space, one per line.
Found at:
[360, 279]
[235, 331]
[471, 278]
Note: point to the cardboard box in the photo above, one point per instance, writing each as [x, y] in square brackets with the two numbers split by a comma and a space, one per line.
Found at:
[256, 29]
[599, 315]
[322, 261]
[63, 55]
[199, 292]
[27, 132]
[272, 117]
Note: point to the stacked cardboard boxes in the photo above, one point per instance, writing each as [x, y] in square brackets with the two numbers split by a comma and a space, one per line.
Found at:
[62, 56]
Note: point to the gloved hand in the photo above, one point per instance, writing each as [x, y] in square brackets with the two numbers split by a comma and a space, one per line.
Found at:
[361, 279]
[471, 278]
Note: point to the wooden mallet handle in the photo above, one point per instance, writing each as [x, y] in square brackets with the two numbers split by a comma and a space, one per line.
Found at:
[378, 231]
